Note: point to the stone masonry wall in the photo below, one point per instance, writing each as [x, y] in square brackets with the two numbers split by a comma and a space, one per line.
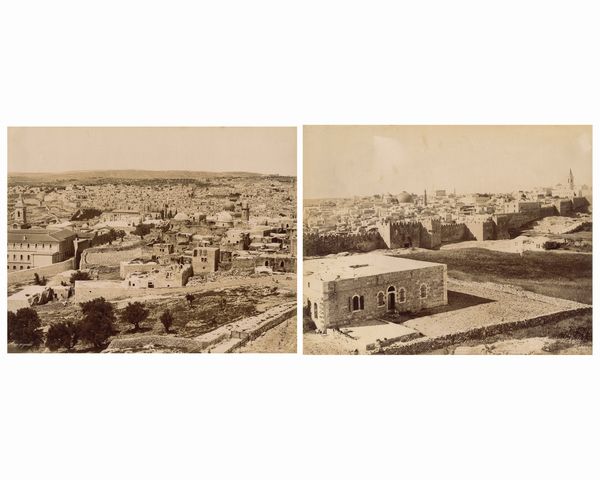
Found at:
[336, 303]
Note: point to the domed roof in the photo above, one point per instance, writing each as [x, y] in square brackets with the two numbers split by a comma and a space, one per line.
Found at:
[224, 217]
[405, 197]
[230, 206]
[181, 217]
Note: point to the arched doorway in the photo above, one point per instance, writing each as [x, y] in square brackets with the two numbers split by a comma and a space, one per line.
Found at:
[391, 298]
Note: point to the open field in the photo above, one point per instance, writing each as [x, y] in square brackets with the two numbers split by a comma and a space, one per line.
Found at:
[567, 276]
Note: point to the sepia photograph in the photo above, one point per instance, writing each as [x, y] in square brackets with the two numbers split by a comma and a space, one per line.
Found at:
[464, 240]
[151, 240]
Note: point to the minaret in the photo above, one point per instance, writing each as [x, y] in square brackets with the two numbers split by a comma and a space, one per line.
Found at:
[571, 180]
[245, 211]
[20, 213]
[425, 198]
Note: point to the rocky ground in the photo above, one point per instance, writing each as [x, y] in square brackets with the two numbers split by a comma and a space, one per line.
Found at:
[215, 304]
[279, 339]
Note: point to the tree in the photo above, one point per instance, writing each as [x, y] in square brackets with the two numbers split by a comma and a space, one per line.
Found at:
[10, 325]
[79, 275]
[120, 234]
[61, 335]
[135, 313]
[24, 327]
[190, 298]
[167, 320]
[97, 326]
[141, 230]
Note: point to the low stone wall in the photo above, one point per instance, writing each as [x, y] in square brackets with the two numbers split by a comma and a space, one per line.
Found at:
[20, 276]
[428, 344]
[262, 329]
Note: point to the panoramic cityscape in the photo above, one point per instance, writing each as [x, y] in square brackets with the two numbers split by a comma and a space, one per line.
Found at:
[445, 270]
[148, 259]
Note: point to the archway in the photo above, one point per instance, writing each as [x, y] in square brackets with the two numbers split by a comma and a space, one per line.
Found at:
[391, 299]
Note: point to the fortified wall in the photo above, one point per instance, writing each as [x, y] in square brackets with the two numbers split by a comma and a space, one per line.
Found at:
[315, 244]
[424, 234]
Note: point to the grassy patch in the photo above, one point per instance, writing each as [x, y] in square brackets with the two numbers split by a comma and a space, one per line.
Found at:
[567, 276]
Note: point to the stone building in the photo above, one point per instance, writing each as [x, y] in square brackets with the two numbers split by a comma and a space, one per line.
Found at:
[31, 248]
[159, 277]
[205, 259]
[344, 290]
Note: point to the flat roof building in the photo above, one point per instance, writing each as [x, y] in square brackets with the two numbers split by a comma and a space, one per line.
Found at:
[342, 290]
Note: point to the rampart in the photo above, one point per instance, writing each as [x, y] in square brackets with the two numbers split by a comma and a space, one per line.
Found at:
[315, 244]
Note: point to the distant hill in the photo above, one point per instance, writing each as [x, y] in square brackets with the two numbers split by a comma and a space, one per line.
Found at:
[87, 175]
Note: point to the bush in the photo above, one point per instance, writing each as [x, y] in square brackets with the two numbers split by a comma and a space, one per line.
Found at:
[97, 325]
[167, 320]
[39, 281]
[79, 275]
[551, 245]
[24, 327]
[190, 298]
[61, 335]
[134, 313]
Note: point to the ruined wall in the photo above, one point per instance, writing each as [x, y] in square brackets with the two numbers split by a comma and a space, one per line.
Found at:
[315, 244]
[19, 276]
[273, 262]
[112, 256]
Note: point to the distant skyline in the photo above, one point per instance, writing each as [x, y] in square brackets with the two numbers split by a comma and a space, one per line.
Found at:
[267, 150]
[344, 161]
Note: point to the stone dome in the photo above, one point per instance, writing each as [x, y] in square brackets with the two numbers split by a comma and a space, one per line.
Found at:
[405, 197]
[181, 217]
[230, 207]
[224, 217]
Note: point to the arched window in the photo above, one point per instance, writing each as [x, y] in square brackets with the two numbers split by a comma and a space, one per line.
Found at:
[423, 291]
[362, 302]
[355, 303]
[401, 295]
[380, 299]
[391, 289]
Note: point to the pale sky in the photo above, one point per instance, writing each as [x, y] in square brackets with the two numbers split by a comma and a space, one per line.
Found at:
[343, 161]
[216, 149]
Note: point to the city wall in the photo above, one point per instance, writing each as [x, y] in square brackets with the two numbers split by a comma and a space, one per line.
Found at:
[20, 276]
[315, 244]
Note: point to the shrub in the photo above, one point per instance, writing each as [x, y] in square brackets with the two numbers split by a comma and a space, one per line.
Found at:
[39, 281]
[61, 335]
[79, 275]
[24, 327]
[190, 298]
[167, 320]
